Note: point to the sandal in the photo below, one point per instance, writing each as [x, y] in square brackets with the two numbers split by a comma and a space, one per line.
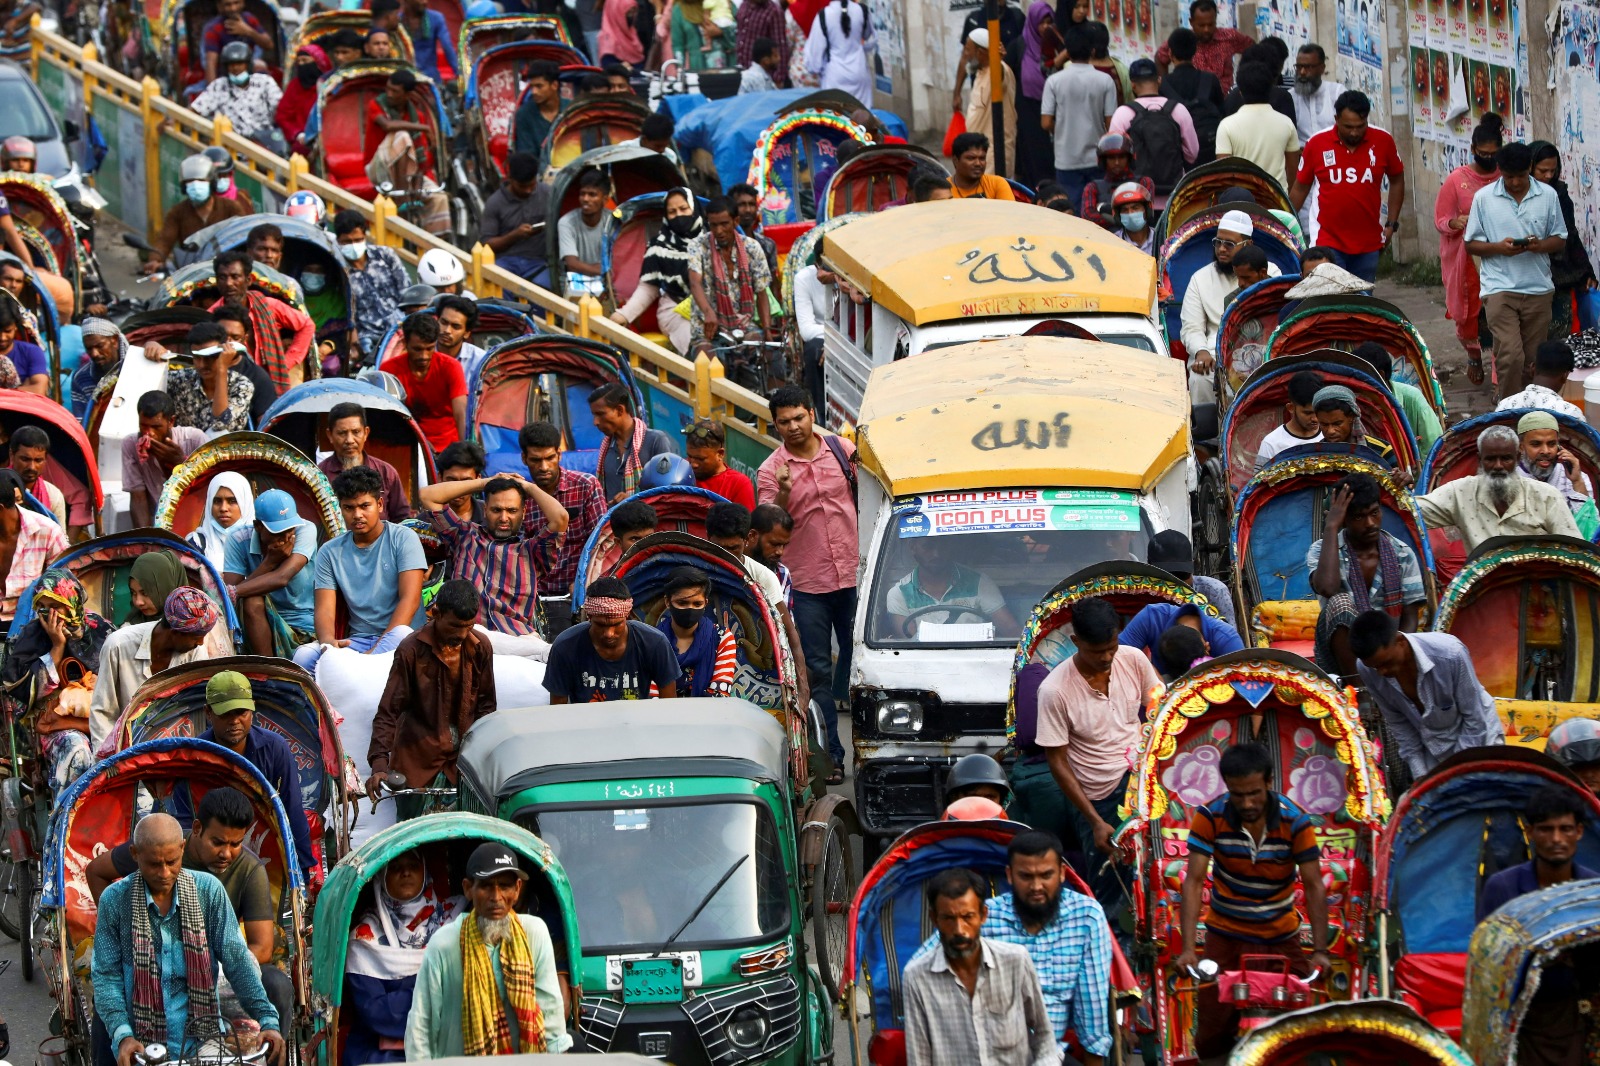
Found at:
[837, 777]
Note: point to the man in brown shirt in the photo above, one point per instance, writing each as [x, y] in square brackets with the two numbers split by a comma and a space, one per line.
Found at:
[441, 682]
[199, 207]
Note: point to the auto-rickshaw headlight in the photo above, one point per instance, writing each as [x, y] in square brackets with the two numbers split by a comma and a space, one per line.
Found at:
[748, 1028]
[899, 716]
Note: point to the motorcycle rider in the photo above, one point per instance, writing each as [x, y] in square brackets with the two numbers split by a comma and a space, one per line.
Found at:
[199, 208]
[19, 154]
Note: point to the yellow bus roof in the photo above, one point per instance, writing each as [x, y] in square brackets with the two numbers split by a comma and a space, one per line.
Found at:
[1025, 411]
[989, 258]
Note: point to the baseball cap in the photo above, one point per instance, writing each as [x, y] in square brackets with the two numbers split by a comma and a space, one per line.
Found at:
[1172, 552]
[275, 509]
[491, 859]
[229, 691]
[1141, 68]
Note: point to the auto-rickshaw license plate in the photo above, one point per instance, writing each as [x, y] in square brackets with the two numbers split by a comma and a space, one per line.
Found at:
[652, 980]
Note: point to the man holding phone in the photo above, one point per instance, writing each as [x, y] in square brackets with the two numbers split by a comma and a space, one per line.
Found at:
[1514, 226]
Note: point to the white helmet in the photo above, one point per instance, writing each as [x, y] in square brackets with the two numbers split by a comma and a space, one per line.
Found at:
[307, 205]
[439, 268]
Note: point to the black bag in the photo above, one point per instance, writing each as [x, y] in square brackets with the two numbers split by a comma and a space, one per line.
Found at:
[1157, 144]
[1203, 110]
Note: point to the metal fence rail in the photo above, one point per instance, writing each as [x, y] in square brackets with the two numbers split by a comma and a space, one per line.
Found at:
[147, 135]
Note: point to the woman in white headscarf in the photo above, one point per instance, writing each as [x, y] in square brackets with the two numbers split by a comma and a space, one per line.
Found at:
[229, 503]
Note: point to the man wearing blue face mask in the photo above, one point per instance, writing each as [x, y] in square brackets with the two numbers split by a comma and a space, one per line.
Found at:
[249, 100]
[199, 208]
[1131, 211]
[377, 277]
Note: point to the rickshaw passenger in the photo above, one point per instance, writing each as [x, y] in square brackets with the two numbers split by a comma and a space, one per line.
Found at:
[708, 653]
[1495, 502]
[610, 656]
[215, 845]
[27, 451]
[133, 653]
[1542, 457]
[104, 348]
[579, 493]
[231, 716]
[385, 953]
[1426, 689]
[1419, 412]
[497, 555]
[378, 45]
[938, 579]
[488, 983]
[1252, 842]
[441, 682]
[511, 216]
[248, 100]
[1356, 565]
[50, 667]
[582, 231]
[1300, 419]
[1064, 933]
[746, 201]
[664, 272]
[349, 432]
[1206, 296]
[229, 503]
[430, 33]
[771, 529]
[232, 23]
[463, 461]
[458, 317]
[435, 386]
[631, 522]
[236, 326]
[1182, 649]
[58, 287]
[267, 568]
[537, 112]
[214, 396]
[31, 361]
[1554, 1030]
[161, 934]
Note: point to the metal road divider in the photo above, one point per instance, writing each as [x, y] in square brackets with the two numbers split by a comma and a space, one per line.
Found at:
[148, 135]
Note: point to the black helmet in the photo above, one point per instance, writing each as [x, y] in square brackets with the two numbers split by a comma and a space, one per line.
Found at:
[976, 769]
[220, 158]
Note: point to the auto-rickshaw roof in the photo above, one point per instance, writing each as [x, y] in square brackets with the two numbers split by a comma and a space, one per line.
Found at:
[519, 748]
[1024, 411]
[937, 261]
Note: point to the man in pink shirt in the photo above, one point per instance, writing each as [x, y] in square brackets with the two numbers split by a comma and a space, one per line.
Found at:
[1089, 722]
[812, 476]
[1156, 132]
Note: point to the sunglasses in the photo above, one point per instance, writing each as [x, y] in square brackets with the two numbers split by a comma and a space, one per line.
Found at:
[701, 432]
[1219, 242]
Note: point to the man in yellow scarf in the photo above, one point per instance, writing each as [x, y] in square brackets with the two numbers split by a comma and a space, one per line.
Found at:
[488, 983]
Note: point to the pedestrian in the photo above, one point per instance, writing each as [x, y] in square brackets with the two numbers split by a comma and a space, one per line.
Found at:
[974, 999]
[267, 569]
[629, 442]
[699, 41]
[1215, 46]
[1348, 165]
[1040, 41]
[1553, 363]
[760, 74]
[706, 448]
[135, 652]
[373, 570]
[435, 385]
[1090, 709]
[431, 40]
[1083, 99]
[1248, 847]
[513, 217]
[1159, 129]
[979, 111]
[610, 655]
[814, 290]
[617, 41]
[1513, 228]
[812, 476]
[440, 683]
[579, 494]
[1424, 685]
[157, 916]
[1146, 628]
[488, 983]
[1199, 90]
[970, 177]
[837, 48]
[1256, 132]
[1495, 502]
[1451, 209]
[1273, 58]
[756, 21]
[1570, 269]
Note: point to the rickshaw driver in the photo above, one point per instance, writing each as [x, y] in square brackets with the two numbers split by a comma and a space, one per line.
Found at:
[728, 281]
[488, 983]
[610, 656]
[160, 936]
[1259, 842]
[1553, 1031]
[939, 579]
[270, 318]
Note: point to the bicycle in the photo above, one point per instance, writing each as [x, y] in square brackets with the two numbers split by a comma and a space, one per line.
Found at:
[394, 784]
[747, 362]
[24, 818]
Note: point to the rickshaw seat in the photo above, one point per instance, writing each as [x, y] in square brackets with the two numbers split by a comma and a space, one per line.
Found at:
[1434, 983]
[344, 149]
[1306, 649]
[887, 1048]
[1285, 623]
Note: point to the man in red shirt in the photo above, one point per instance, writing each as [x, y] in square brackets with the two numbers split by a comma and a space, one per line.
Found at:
[1346, 166]
[707, 451]
[1214, 47]
[436, 388]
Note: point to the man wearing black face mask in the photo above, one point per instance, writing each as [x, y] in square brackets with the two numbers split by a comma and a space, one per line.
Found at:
[707, 652]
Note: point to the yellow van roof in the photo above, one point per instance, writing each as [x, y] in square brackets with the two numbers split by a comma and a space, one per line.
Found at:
[989, 258]
[1025, 411]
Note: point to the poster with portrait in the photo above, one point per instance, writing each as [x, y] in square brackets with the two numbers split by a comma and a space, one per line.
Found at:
[1438, 24]
[1456, 27]
[1439, 64]
[1503, 94]
[1416, 24]
[1291, 21]
[1361, 33]
[1499, 23]
[1476, 42]
[1420, 85]
[1478, 89]
[1097, 10]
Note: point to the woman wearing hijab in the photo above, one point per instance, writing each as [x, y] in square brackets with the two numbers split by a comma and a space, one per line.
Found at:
[1040, 41]
[699, 39]
[229, 502]
[300, 95]
[153, 577]
[1462, 301]
[49, 672]
[385, 953]
[1569, 269]
[619, 41]
[839, 47]
[664, 276]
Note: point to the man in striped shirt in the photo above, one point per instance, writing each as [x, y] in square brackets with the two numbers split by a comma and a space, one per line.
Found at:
[498, 556]
[1258, 841]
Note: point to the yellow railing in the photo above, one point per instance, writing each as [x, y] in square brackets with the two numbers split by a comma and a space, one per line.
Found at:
[699, 384]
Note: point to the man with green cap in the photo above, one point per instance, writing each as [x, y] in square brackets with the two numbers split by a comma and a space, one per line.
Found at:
[231, 710]
[1543, 457]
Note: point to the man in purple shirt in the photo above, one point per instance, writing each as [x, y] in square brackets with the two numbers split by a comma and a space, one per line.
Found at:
[348, 430]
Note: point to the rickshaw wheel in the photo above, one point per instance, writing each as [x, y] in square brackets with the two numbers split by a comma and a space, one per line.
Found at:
[832, 886]
[1211, 543]
[16, 909]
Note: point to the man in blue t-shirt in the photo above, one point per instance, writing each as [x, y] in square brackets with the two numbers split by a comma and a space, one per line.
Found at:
[610, 656]
[1145, 628]
[266, 565]
[429, 33]
[375, 571]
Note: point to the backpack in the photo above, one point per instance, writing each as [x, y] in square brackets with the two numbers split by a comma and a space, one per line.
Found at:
[1206, 115]
[836, 446]
[1157, 144]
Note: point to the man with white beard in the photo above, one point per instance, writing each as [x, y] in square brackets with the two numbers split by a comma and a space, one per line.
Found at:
[1496, 502]
[488, 983]
[1545, 459]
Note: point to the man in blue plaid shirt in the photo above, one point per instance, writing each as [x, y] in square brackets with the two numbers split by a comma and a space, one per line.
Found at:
[1066, 935]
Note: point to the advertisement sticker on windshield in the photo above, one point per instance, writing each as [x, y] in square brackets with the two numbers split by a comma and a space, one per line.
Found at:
[988, 497]
[944, 520]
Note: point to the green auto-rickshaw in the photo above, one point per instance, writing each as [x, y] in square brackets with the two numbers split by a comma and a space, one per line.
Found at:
[676, 824]
[445, 841]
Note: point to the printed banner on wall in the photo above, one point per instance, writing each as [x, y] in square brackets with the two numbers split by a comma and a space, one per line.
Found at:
[1578, 98]
[1475, 67]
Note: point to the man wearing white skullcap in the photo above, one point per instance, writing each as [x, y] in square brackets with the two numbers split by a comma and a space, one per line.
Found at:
[979, 110]
[1207, 295]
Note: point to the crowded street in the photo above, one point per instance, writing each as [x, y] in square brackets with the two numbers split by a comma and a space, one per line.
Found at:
[1073, 526]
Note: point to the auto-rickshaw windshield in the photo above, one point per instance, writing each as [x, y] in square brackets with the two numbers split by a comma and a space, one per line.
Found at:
[637, 874]
[962, 569]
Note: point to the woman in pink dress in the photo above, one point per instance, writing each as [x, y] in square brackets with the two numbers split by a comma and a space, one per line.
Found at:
[1461, 299]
